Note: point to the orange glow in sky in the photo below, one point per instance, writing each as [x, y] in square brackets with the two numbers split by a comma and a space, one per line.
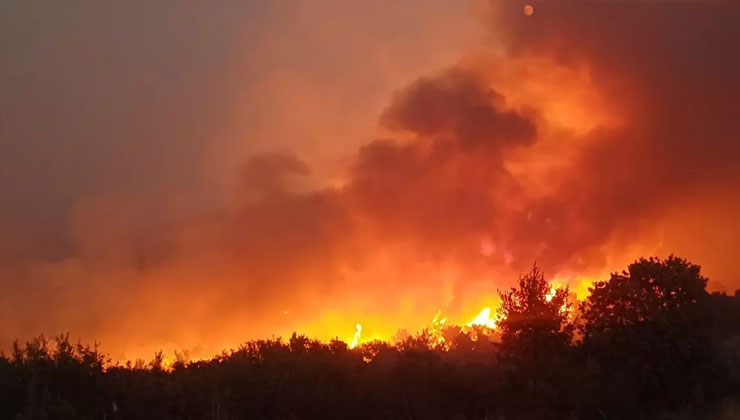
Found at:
[244, 170]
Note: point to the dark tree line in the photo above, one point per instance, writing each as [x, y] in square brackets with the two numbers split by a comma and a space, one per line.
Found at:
[649, 343]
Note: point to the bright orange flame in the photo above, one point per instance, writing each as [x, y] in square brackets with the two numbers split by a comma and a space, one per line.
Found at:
[554, 287]
[551, 294]
[437, 321]
[484, 319]
[168, 362]
[356, 337]
[438, 324]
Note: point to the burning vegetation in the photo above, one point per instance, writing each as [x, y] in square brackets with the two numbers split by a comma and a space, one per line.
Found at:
[647, 342]
[146, 204]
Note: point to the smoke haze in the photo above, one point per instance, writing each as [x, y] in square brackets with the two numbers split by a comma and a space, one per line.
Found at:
[188, 178]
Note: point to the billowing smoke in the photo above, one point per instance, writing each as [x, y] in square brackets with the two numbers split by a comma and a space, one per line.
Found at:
[588, 135]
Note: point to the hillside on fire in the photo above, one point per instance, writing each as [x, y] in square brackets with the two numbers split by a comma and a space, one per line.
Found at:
[647, 343]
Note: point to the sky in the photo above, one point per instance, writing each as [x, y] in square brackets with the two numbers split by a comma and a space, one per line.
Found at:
[189, 175]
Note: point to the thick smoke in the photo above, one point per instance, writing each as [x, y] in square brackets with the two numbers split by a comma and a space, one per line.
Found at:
[482, 171]
[670, 69]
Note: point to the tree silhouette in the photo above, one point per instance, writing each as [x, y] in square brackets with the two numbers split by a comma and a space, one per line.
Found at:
[646, 329]
[535, 331]
[651, 344]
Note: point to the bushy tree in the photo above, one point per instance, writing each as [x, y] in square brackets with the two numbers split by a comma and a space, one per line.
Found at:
[535, 330]
[646, 332]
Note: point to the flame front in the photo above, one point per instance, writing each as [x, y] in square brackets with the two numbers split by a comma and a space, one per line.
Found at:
[356, 337]
[484, 319]
[487, 320]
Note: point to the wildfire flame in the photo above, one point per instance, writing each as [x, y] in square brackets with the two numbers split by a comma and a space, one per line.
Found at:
[486, 322]
[550, 294]
[489, 318]
[484, 319]
[438, 324]
[356, 337]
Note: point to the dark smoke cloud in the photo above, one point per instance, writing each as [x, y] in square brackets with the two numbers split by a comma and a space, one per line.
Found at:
[672, 68]
[445, 184]
[459, 105]
[451, 183]
[670, 71]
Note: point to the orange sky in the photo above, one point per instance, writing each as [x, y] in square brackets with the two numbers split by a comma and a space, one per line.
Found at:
[192, 177]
